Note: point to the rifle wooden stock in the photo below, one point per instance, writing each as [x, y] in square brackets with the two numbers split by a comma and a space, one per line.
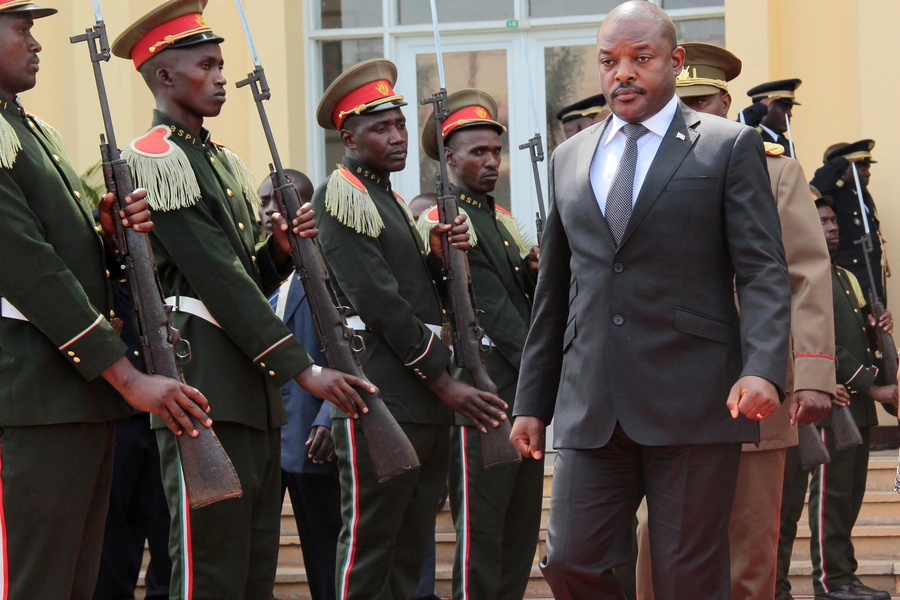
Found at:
[846, 433]
[391, 451]
[885, 342]
[209, 475]
[812, 449]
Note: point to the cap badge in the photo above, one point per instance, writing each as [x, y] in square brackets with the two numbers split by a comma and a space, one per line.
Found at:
[686, 73]
[382, 88]
[200, 21]
[482, 114]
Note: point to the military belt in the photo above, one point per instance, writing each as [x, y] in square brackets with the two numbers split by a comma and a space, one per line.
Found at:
[8, 311]
[192, 306]
[357, 324]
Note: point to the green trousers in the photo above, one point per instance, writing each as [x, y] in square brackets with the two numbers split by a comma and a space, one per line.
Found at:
[497, 516]
[387, 527]
[55, 482]
[836, 493]
[227, 550]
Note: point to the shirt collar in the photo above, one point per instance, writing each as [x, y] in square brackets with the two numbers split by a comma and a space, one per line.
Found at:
[658, 123]
[769, 131]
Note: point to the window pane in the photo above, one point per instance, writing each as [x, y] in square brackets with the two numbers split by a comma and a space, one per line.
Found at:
[337, 57]
[416, 12]
[482, 69]
[571, 75]
[337, 14]
[571, 8]
[711, 31]
[672, 4]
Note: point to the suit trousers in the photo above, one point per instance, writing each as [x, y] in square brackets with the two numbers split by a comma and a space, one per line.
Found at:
[836, 493]
[596, 494]
[138, 513]
[386, 526]
[227, 550]
[316, 500]
[793, 497]
[497, 516]
[54, 481]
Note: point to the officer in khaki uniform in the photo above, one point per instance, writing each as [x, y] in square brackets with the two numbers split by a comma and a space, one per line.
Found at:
[61, 359]
[385, 274]
[754, 526]
[215, 275]
[497, 511]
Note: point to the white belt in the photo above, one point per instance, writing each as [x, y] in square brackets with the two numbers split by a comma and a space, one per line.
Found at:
[8, 311]
[357, 324]
[192, 306]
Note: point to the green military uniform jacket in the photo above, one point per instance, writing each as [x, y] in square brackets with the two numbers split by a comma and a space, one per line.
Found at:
[380, 270]
[205, 244]
[503, 287]
[854, 347]
[53, 270]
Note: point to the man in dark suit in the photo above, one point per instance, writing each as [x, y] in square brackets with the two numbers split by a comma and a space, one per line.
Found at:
[636, 346]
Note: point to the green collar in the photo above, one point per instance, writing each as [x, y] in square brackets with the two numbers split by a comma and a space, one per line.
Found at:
[182, 133]
[12, 107]
[365, 174]
[485, 203]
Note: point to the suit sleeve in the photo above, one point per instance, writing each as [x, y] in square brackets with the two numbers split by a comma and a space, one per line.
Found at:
[40, 285]
[809, 271]
[358, 265]
[501, 321]
[753, 114]
[200, 248]
[753, 235]
[542, 357]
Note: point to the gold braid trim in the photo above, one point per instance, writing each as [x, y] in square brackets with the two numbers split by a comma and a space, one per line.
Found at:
[9, 144]
[170, 181]
[350, 203]
[426, 224]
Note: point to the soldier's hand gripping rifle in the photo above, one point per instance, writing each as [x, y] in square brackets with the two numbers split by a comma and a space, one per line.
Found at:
[536, 149]
[390, 449]
[496, 448]
[209, 475]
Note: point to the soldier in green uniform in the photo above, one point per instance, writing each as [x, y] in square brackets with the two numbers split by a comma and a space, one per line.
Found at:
[496, 512]
[216, 274]
[385, 274]
[62, 364]
[836, 489]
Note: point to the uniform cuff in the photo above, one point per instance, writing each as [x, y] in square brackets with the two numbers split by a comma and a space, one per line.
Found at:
[94, 349]
[861, 381]
[283, 360]
[432, 362]
[814, 372]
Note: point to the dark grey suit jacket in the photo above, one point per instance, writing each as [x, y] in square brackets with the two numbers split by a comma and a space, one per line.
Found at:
[647, 334]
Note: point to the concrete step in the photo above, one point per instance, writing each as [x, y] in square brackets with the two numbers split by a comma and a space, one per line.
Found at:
[879, 574]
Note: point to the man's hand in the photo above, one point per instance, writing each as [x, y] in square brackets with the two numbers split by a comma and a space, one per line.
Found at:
[164, 397]
[768, 101]
[885, 323]
[808, 406]
[527, 436]
[886, 394]
[304, 226]
[459, 236]
[842, 398]
[534, 257]
[135, 214]
[321, 445]
[754, 397]
[336, 387]
[482, 409]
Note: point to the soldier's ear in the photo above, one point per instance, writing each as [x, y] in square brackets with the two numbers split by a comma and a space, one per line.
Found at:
[163, 77]
[348, 138]
[449, 156]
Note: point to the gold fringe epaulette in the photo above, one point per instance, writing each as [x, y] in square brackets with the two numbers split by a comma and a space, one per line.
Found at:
[512, 226]
[51, 133]
[163, 169]
[242, 174]
[9, 144]
[429, 218]
[348, 201]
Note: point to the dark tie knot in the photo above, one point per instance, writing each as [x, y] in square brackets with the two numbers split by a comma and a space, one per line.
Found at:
[634, 131]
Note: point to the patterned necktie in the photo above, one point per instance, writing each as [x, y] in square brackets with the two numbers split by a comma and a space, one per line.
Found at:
[621, 192]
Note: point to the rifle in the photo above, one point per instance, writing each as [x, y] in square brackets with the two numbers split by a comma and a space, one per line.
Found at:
[496, 448]
[536, 149]
[209, 475]
[391, 451]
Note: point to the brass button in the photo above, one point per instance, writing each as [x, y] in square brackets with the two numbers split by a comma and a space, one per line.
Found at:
[253, 258]
[272, 373]
[71, 353]
[848, 291]
[107, 273]
[262, 365]
[229, 192]
[136, 353]
[78, 195]
[517, 269]
[505, 243]
[422, 252]
[56, 157]
[241, 226]
[854, 261]
[76, 360]
[527, 296]
[855, 310]
[33, 126]
[212, 159]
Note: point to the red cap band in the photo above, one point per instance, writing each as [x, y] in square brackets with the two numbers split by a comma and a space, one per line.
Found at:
[362, 98]
[167, 34]
[466, 116]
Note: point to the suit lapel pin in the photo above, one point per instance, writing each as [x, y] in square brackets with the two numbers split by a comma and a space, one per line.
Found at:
[680, 136]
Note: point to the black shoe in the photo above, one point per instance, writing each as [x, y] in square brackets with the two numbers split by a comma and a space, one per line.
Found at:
[845, 592]
[877, 594]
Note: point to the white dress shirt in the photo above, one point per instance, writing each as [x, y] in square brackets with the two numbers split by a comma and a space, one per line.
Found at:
[610, 149]
[769, 131]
